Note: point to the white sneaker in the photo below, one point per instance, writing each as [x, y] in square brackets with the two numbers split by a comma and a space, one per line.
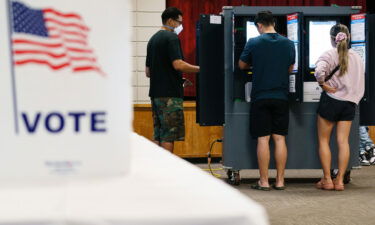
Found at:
[372, 156]
[363, 160]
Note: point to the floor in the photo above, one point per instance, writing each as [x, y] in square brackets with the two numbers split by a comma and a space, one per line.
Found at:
[301, 203]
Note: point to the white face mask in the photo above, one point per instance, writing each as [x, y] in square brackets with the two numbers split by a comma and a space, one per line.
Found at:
[178, 29]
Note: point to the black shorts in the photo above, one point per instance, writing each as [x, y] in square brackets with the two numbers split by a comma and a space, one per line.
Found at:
[335, 110]
[269, 116]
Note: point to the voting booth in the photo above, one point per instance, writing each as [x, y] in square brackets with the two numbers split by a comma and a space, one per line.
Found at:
[224, 37]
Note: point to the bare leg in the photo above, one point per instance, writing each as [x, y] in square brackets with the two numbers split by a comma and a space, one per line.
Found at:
[263, 152]
[168, 146]
[324, 134]
[281, 154]
[343, 130]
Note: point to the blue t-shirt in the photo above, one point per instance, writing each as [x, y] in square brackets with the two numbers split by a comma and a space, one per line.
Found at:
[271, 55]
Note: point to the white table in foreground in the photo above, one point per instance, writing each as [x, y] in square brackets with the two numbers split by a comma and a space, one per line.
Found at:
[160, 189]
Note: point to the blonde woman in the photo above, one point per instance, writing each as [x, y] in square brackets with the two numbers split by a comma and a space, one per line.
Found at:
[343, 90]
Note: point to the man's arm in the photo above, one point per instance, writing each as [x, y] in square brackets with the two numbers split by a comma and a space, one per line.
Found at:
[243, 65]
[147, 71]
[245, 61]
[184, 67]
[291, 68]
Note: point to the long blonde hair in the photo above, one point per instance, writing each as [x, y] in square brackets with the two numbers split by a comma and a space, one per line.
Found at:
[342, 46]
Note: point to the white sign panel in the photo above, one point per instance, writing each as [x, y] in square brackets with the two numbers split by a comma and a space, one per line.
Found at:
[361, 50]
[65, 88]
[296, 64]
[292, 83]
[215, 19]
[311, 92]
[358, 28]
[292, 27]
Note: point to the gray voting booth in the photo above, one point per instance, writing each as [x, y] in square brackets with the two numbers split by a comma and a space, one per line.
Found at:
[223, 89]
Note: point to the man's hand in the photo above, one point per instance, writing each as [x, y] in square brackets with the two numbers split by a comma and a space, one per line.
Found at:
[242, 65]
[328, 88]
[187, 83]
[291, 68]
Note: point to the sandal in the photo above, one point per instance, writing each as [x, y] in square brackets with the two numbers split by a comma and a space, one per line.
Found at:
[257, 186]
[279, 188]
[324, 186]
[338, 187]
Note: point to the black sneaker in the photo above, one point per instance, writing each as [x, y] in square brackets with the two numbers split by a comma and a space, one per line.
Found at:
[368, 152]
[334, 173]
[363, 160]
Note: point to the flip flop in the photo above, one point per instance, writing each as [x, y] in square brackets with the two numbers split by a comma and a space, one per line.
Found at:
[324, 186]
[256, 186]
[338, 187]
[280, 188]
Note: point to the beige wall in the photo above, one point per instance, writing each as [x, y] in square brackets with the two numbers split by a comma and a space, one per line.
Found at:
[146, 15]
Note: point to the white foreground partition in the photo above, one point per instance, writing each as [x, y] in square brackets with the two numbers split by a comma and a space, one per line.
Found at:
[65, 88]
[65, 113]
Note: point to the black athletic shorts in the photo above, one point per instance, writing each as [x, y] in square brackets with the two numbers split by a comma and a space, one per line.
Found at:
[335, 110]
[269, 116]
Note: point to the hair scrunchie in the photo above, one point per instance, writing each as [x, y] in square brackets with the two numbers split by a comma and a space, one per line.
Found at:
[341, 36]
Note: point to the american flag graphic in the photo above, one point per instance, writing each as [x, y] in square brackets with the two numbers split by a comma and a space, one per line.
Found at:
[51, 38]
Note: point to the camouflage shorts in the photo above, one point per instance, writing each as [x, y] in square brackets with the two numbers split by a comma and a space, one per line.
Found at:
[168, 116]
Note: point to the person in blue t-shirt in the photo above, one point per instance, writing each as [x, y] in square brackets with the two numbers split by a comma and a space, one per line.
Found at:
[271, 57]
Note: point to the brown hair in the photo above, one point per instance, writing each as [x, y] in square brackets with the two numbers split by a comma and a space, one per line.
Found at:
[265, 18]
[342, 46]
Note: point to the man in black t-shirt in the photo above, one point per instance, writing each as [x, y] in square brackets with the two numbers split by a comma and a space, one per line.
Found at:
[272, 57]
[164, 67]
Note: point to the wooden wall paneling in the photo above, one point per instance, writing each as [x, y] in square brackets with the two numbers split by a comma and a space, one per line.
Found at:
[142, 120]
[197, 139]
[372, 132]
